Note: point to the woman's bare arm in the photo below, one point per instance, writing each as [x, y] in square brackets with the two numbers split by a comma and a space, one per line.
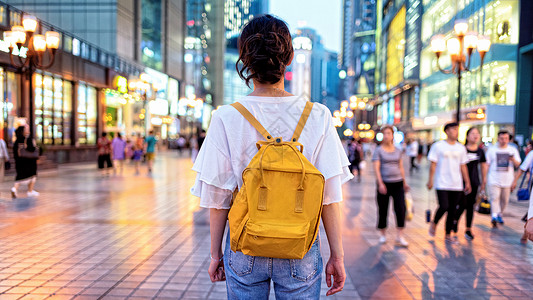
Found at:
[217, 224]
[335, 266]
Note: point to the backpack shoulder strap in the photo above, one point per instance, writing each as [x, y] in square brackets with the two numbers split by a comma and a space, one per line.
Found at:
[303, 119]
[248, 116]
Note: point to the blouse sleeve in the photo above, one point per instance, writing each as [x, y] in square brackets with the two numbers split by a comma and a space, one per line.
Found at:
[332, 162]
[526, 165]
[214, 179]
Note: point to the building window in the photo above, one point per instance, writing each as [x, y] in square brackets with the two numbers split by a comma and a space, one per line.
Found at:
[151, 54]
[86, 114]
[10, 90]
[3, 15]
[53, 110]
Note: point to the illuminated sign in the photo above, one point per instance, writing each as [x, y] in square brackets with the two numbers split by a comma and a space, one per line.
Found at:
[156, 121]
[395, 50]
[159, 107]
[120, 84]
[475, 115]
[397, 110]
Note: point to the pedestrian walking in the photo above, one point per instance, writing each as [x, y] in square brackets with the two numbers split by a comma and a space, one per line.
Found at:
[118, 145]
[181, 144]
[476, 162]
[448, 167]
[502, 160]
[201, 138]
[129, 148]
[25, 152]
[412, 152]
[355, 155]
[104, 154]
[4, 159]
[138, 153]
[150, 141]
[525, 167]
[265, 48]
[390, 176]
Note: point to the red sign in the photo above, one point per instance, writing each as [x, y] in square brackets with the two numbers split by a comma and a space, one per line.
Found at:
[397, 109]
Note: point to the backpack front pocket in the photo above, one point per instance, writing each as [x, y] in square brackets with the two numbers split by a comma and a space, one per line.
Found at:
[276, 240]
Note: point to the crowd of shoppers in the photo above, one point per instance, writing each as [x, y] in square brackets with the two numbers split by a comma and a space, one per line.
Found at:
[113, 154]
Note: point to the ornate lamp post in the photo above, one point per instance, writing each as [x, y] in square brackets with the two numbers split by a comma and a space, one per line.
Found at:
[456, 47]
[37, 45]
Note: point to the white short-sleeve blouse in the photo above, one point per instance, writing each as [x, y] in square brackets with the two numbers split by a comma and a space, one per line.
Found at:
[230, 145]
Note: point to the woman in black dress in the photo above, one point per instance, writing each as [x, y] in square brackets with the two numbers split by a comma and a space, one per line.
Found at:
[26, 167]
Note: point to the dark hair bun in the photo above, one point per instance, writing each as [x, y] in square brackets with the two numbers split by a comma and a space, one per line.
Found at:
[265, 50]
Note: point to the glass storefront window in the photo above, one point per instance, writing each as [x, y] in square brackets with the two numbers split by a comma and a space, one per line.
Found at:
[57, 127]
[498, 19]
[15, 18]
[87, 112]
[3, 15]
[48, 100]
[496, 84]
[52, 113]
[67, 43]
[501, 21]
[67, 112]
[11, 101]
[91, 115]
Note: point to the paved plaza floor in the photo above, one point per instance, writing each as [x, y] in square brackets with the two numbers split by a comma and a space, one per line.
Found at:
[144, 237]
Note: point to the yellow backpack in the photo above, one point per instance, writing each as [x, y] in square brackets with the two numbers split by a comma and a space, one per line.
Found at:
[276, 213]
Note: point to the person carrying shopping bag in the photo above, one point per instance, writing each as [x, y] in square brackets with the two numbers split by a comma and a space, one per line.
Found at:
[275, 123]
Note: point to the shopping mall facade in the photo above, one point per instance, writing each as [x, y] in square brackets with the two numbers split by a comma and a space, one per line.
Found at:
[418, 98]
[85, 92]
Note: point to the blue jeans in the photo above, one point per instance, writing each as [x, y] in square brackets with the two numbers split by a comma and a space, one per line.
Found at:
[248, 277]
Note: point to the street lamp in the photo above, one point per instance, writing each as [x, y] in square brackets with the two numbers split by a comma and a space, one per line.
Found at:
[456, 48]
[37, 45]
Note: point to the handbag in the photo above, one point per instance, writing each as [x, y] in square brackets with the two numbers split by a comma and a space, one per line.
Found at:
[523, 193]
[25, 153]
[483, 206]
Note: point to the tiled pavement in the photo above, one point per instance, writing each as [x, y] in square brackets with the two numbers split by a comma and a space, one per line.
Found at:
[144, 237]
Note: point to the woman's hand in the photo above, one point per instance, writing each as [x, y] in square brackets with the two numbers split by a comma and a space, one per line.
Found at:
[406, 187]
[382, 188]
[429, 185]
[216, 270]
[335, 269]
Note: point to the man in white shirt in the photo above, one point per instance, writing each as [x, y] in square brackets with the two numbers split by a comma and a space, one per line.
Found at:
[448, 167]
[502, 160]
[412, 152]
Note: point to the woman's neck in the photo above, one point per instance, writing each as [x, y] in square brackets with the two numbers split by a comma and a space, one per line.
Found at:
[270, 90]
[388, 145]
[472, 146]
